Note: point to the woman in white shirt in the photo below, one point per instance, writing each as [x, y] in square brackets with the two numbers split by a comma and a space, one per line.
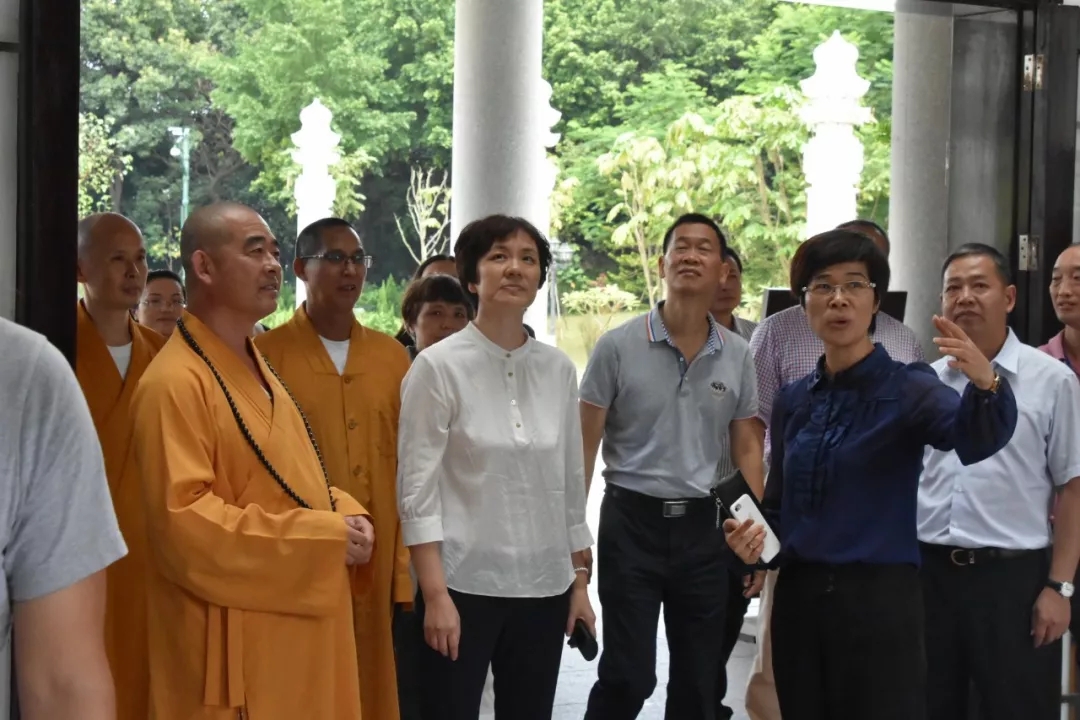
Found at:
[491, 489]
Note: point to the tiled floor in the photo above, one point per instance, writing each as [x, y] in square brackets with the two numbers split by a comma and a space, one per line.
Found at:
[577, 676]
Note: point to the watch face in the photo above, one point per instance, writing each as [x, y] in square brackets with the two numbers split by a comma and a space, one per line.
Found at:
[1067, 589]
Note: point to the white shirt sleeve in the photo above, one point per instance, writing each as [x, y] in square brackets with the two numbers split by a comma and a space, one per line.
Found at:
[423, 430]
[1063, 448]
[576, 525]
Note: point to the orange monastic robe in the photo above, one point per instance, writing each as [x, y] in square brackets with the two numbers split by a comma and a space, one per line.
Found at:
[354, 416]
[249, 595]
[109, 397]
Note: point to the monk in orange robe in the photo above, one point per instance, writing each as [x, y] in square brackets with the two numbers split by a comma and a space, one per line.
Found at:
[347, 378]
[253, 555]
[112, 354]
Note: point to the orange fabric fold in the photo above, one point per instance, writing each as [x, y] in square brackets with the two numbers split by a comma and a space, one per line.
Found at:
[354, 415]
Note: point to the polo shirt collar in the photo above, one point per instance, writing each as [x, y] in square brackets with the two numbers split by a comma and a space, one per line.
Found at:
[657, 331]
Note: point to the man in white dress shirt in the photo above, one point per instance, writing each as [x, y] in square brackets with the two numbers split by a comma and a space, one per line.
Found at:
[996, 593]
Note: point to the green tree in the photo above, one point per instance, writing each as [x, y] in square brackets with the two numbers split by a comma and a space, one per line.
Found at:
[784, 53]
[144, 64]
[100, 163]
[739, 161]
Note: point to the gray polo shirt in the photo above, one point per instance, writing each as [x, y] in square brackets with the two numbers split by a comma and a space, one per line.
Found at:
[57, 524]
[668, 418]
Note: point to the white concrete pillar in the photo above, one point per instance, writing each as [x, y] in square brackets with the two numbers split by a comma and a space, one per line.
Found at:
[499, 130]
[315, 153]
[9, 108]
[919, 201]
[833, 158]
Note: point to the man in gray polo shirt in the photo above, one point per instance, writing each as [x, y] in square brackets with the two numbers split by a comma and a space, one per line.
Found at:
[663, 391]
[58, 533]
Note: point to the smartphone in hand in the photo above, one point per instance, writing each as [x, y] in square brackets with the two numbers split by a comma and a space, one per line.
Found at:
[584, 641]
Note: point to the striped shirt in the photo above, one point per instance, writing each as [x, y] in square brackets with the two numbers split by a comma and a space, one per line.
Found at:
[785, 349]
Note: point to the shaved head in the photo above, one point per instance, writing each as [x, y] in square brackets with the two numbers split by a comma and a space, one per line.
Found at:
[230, 259]
[208, 228]
[111, 262]
[100, 227]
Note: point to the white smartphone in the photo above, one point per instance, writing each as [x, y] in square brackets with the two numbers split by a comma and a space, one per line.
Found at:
[745, 509]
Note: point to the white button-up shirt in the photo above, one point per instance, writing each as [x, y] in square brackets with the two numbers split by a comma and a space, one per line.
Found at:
[1005, 500]
[490, 464]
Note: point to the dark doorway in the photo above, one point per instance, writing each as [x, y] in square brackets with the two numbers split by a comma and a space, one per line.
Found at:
[48, 162]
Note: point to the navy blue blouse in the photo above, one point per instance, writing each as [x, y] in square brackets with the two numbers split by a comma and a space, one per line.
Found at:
[847, 454]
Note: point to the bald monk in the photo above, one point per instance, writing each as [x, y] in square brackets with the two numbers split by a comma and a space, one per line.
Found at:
[252, 553]
[112, 354]
[347, 378]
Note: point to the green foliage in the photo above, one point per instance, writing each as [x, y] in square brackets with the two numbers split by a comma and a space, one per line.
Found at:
[100, 163]
[601, 304]
[626, 74]
[741, 164]
[379, 307]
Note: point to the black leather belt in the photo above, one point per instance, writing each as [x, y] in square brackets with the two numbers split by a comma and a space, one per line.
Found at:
[966, 557]
[664, 506]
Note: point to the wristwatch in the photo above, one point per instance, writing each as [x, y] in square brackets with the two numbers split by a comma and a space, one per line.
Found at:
[1065, 589]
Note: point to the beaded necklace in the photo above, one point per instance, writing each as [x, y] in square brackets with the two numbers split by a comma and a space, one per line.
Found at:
[247, 433]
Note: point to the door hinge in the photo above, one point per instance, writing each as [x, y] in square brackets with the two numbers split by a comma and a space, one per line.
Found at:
[1028, 255]
[1034, 70]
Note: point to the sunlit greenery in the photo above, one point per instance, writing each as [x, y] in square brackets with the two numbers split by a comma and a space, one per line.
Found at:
[667, 105]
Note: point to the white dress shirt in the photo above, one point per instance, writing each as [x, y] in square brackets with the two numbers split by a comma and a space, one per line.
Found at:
[1005, 500]
[490, 464]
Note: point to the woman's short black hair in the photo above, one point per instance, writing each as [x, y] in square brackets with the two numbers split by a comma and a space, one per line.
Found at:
[835, 247]
[477, 238]
[431, 260]
[166, 275]
[433, 288]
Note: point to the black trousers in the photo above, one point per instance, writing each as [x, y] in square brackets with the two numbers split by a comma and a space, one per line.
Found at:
[847, 643]
[646, 560]
[408, 637]
[978, 632]
[735, 613]
[521, 639]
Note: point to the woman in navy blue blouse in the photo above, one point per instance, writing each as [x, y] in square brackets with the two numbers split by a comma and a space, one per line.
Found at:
[847, 452]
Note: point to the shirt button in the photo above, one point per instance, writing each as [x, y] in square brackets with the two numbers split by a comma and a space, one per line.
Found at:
[517, 425]
[352, 424]
[510, 374]
[348, 379]
[513, 402]
[356, 471]
[507, 354]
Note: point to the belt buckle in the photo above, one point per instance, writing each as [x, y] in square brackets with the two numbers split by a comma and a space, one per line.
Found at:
[970, 559]
[674, 508]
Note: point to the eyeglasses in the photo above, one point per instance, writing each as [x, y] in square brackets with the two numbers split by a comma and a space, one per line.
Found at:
[336, 257]
[159, 303]
[852, 287]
